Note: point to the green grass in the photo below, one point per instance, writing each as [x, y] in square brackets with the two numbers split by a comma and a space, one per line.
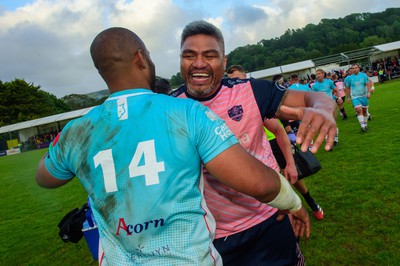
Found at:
[358, 188]
[30, 214]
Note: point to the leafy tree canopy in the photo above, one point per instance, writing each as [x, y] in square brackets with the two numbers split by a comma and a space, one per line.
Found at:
[21, 101]
[329, 37]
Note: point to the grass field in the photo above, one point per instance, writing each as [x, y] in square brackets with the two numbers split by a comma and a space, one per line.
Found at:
[358, 188]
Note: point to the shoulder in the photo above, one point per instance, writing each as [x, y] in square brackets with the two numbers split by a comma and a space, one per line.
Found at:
[267, 84]
[255, 83]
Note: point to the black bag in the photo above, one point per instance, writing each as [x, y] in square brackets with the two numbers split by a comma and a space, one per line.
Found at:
[72, 223]
[306, 163]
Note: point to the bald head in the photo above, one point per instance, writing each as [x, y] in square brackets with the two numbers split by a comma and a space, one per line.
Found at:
[119, 55]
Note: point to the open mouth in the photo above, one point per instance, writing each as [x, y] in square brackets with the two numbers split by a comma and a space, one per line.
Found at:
[200, 78]
[200, 75]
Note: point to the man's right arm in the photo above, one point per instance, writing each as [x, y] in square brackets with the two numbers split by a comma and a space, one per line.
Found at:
[236, 168]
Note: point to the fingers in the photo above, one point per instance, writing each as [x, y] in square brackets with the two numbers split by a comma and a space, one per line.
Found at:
[290, 175]
[301, 223]
[316, 125]
[280, 217]
[291, 113]
[281, 214]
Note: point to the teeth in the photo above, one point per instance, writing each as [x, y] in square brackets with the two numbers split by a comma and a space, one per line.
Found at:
[200, 75]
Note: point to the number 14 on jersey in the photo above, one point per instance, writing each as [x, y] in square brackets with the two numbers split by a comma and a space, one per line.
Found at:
[149, 169]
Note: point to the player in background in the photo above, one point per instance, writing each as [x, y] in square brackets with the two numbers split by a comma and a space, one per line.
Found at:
[358, 92]
[327, 86]
[340, 94]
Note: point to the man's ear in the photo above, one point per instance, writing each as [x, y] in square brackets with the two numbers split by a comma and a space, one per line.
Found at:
[141, 60]
[225, 61]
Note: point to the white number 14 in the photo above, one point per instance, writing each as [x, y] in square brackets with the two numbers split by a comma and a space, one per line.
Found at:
[149, 169]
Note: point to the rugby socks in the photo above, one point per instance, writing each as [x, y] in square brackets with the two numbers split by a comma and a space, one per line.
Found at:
[310, 201]
[336, 140]
[343, 112]
[361, 120]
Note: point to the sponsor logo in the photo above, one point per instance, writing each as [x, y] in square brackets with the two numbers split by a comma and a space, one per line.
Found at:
[122, 108]
[233, 82]
[211, 115]
[243, 139]
[236, 113]
[142, 256]
[223, 131]
[137, 228]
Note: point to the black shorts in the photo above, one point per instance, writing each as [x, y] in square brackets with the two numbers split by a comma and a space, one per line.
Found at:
[268, 243]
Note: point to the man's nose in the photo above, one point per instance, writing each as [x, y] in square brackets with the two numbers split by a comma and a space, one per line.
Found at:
[199, 62]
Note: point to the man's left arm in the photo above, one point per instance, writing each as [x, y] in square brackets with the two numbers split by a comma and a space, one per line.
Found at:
[318, 114]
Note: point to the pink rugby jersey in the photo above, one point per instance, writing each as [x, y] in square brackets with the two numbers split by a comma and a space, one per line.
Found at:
[243, 104]
[340, 86]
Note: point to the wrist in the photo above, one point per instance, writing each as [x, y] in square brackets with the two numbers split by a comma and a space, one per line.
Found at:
[286, 199]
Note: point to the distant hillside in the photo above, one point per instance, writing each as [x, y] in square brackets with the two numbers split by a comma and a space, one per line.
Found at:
[330, 36]
[97, 95]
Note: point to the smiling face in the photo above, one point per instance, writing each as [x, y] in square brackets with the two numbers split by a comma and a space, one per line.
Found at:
[202, 65]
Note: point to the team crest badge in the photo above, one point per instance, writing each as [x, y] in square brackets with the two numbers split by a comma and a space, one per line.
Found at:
[236, 113]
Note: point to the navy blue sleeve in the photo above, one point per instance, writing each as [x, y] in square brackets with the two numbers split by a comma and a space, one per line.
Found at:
[268, 95]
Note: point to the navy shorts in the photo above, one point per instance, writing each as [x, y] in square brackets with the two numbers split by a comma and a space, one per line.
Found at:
[268, 243]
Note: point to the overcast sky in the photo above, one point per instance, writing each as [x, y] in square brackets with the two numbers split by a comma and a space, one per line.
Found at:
[46, 42]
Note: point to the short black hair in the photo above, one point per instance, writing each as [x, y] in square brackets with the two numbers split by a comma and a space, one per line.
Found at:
[234, 68]
[162, 86]
[202, 27]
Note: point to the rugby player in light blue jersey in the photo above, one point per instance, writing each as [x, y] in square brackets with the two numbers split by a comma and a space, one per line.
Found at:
[140, 155]
[324, 85]
[358, 87]
[295, 84]
[327, 86]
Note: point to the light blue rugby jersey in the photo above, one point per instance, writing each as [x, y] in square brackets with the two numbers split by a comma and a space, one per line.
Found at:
[139, 156]
[299, 87]
[358, 85]
[326, 86]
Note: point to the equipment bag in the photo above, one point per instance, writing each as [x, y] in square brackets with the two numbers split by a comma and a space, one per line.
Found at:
[72, 223]
[306, 163]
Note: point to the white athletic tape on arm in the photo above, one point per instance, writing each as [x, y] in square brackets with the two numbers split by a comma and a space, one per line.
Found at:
[287, 199]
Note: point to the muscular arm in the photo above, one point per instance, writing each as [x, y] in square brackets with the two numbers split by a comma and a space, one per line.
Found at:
[318, 114]
[236, 168]
[241, 171]
[45, 179]
[285, 146]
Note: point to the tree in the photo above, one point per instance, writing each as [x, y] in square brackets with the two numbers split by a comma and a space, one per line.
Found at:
[79, 101]
[372, 41]
[176, 80]
[20, 101]
[330, 36]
